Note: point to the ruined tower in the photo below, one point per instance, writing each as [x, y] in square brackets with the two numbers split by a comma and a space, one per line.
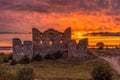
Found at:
[77, 51]
[20, 50]
[49, 42]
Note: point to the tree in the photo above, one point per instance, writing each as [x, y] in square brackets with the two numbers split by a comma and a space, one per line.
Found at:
[102, 72]
[100, 45]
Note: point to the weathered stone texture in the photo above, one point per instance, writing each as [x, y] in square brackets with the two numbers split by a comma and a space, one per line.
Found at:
[20, 50]
[77, 51]
[49, 42]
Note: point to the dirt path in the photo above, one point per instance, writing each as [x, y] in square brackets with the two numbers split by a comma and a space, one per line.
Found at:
[113, 61]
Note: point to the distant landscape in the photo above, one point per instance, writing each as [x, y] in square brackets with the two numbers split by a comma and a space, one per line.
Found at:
[103, 34]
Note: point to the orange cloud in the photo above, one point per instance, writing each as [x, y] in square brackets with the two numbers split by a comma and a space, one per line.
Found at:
[82, 15]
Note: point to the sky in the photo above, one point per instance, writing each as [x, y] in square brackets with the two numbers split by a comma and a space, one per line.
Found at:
[81, 15]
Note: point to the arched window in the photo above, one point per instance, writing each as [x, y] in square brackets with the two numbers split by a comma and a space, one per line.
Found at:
[41, 34]
[50, 42]
[51, 34]
[61, 35]
[41, 42]
[61, 41]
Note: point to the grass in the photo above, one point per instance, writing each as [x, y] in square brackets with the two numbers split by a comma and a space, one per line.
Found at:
[55, 70]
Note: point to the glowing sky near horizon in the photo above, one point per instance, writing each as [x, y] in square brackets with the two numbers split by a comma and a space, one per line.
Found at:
[81, 15]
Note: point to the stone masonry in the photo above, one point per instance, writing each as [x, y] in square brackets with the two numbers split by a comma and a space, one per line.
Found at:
[49, 42]
[20, 50]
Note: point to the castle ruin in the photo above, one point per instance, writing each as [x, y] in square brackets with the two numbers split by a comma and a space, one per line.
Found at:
[49, 42]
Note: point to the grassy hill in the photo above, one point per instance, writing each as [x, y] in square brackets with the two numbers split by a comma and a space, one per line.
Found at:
[56, 70]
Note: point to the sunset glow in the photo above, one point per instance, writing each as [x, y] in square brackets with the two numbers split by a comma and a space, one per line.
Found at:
[82, 16]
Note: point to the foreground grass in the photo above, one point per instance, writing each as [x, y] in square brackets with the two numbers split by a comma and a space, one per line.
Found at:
[55, 70]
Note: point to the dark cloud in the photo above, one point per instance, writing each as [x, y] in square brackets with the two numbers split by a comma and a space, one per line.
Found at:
[103, 3]
[90, 7]
[62, 2]
[28, 7]
[93, 5]
[11, 5]
[61, 6]
[114, 8]
[116, 5]
[86, 5]
[14, 33]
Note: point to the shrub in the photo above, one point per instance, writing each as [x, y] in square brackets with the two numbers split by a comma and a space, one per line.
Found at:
[5, 58]
[6, 75]
[37, 57]
[10, 56]
[25, 73]
[1, 60]
[24, 60]
[13, 62]
[48, 56]
[102, 72]
[57, 55]
[100, 45]
[54, 56]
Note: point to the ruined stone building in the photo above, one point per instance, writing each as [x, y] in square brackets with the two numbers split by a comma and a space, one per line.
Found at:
[20, 50]
[49, 42]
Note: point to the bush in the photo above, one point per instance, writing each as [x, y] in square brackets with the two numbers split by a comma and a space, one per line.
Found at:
[1, 54]
[54, 56]
[100, 45]
[5, 59]
[25, 73]
[10, 56]
[6, 75]
[102, 72]
[24, 60]
[1, 60]
[57, 55]
[37, 57]
[13, 62]
[48, 56]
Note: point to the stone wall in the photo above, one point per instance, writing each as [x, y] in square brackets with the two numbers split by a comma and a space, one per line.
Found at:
[20, 50]
[77, 51]
[49, 42]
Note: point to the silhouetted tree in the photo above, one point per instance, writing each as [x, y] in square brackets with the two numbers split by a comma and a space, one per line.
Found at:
[100, 45]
